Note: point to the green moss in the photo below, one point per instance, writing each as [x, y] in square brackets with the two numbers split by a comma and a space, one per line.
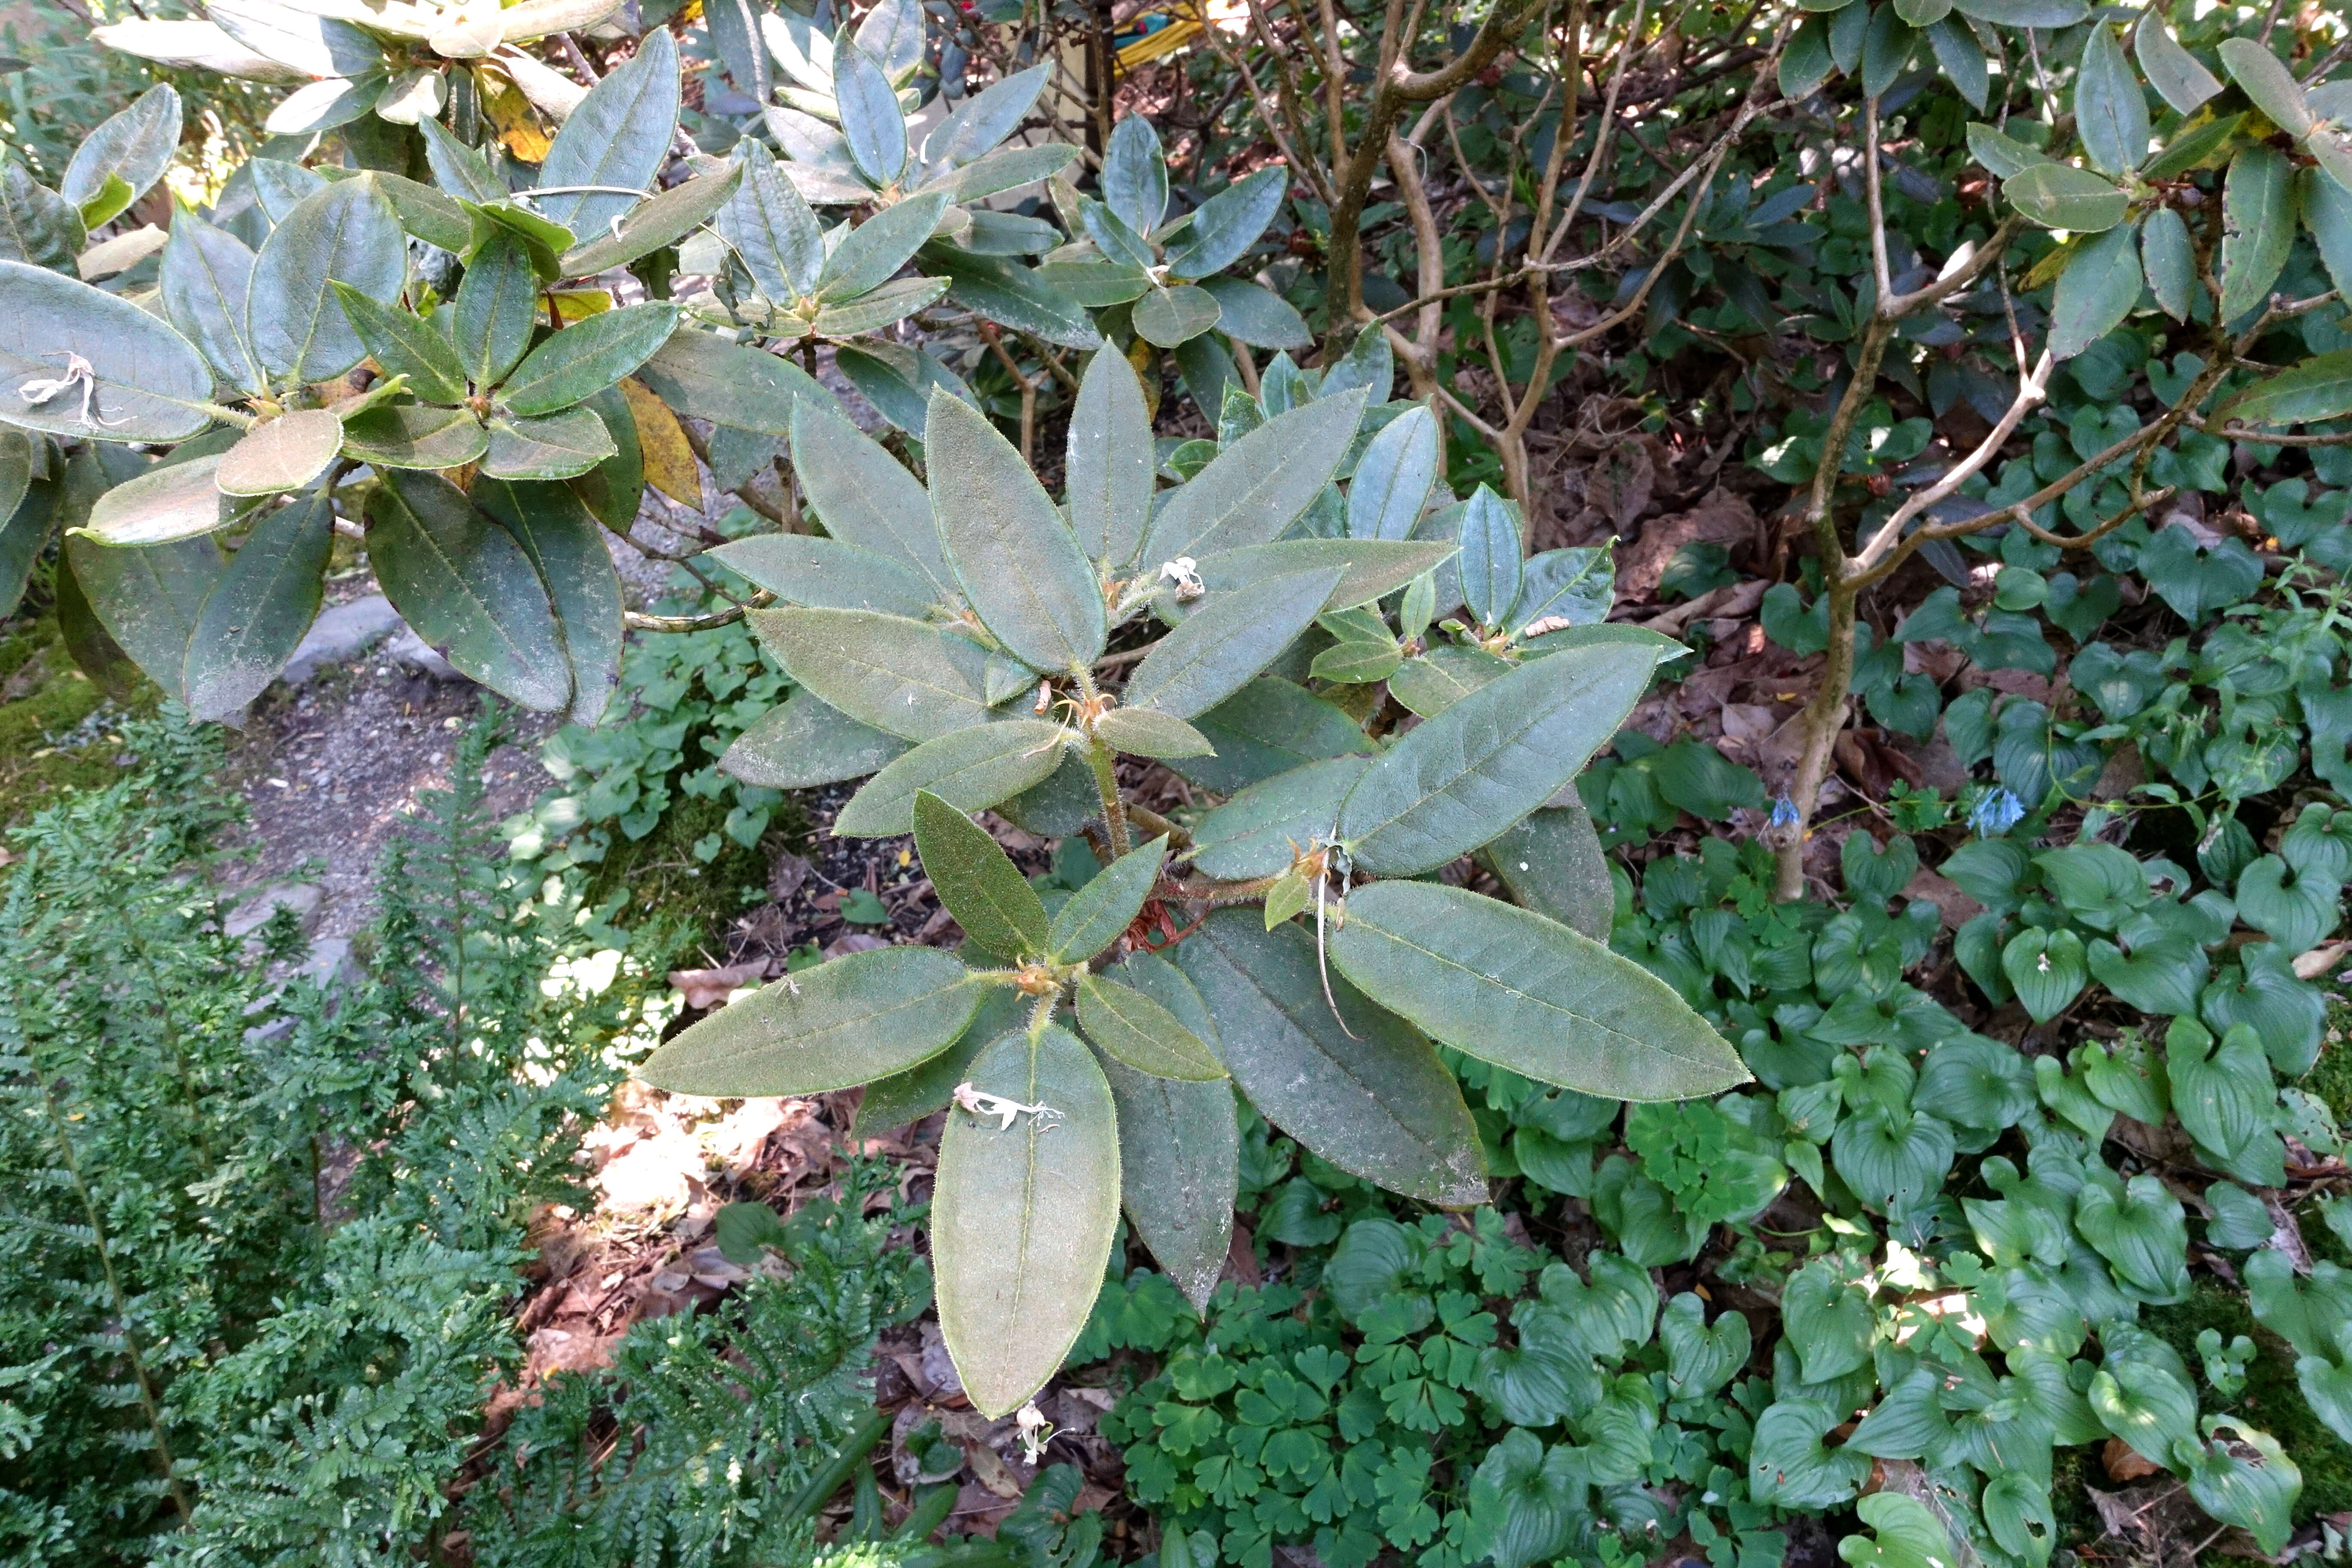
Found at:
[49, 698]
[2270, 1400]
[660, 873]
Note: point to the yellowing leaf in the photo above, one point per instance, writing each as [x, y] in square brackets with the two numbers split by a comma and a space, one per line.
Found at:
[579, 304]
[669, 461]
[511, 111]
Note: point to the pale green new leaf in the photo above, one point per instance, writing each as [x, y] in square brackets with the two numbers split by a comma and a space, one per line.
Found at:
[1096, 913]
[1135, 1029]
[1148, 732]
[977, 881]
[2059, 196]
[175, 501]
[286, 454]
[1514, 988]
[846, 1021]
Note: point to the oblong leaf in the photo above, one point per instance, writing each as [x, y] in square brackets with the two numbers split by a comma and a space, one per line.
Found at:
[286, 454]
[878, 307]
[496, 308]
[1013, 295]
[1146, 732]
[702, 376]
[1265, 827]
[870, 254]
[204, 279]
[585, 358]
[265, 600]
[1255, 488]
[2097, 290]
[2318, 388]
[41, 227]
[1509, 986]
[1111, 460]
[148, 599]
[467, 588]
[1226, 641]
[1490, 557]
[1498, 753]
[2059, 196]
[1371, 568]
[1137, 1031]
[1180, 1168]
[858, 1017]
[1229, 223]
[1553, 862]
[771, 228]
[134, 146]
[1167, 317]
[1017, 562]
[1023, 1216]
[1250, 314]
[870, 118]
[2168, 261]
[1096, 913]
[801, 743]
[2110, 112]
[665, 220]
[1135, 174]
[2257, 227]
[192, 45]
[405, 345]
[414, 436]
[1393, 479]
[2179, 76]
[2266, 80]
[1379, 1105]
[151, 383]
[346, 233]
[549, 447]
[977, 881]
[827, 574]
[865, 497]
[619, 136]
[174, 501]
[2024, 12]
[894, 674]
[969, 769]
[566, 544]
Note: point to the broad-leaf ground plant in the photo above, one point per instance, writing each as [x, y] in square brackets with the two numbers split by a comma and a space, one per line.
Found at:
[954, 643]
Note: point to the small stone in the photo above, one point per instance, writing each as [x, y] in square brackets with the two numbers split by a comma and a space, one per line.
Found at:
[340, 635]
[302, 898]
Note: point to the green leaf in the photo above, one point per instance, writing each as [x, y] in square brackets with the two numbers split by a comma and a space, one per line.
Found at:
[413, 436]
[567, 545]
[1461, 778]
[1429, 683]
[870, 118]
[1379, 1105]
[898, 675]
[1525, 1502]
[1255, 488]
[41, 227]
[1167, 317]
[1023, 1216]
[801, 743]
[1887, 46]
[1250, 314]
[496, 308]
[1229, 223]
[1550, 861]
[1095, 283]
[1098, 913]
[2220, 1089]
[1111, 457]
[2318, 388]
[1699, 1359]
[2258, 227]
[2097, 290]
[26, 523]
[1017, 561]
[1137, 1031]
[1180, 1168]
[665, 220]
[703, 377]
[148, 599]
[930, 1086]
[2267, 79]
[2178, 76]
[345, 233]
[1146, 732]
[825, 573]
[2002, 156]
[1135, 174]
[133, 146]
[2110, 114]
[977, 881]
[1489, 563]
[544, 241]
[585, 358]
[204, 279]
[1372, 568]
[2048, 969]
[981, 122]
[2168, 261]
[2137, 1227]
[2024, 12]
[164, 504]
[2295, 909]
[2059, 196]
[1829, 1321]
[404, 345]
[1510, 987]
[878, 307]
[2144, 1404]
[616, 488]
[151, 383]
[872, 253]
[969, 769]
[846, 1021]
[467, 587]
[551, 447]
[1962, 57]
[285, 454]
[265, 600]
[2247, 1481]
[425, 213]
[1394, 477]
[1227, 641]
[1806, 63]
[1267, 727]
[1263, 829]
[1016, 296]
[1788, 1464]
[618, 135]
[458, 169]
[866, 497]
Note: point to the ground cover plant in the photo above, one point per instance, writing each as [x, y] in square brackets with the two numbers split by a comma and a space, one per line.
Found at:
[1782, 565]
